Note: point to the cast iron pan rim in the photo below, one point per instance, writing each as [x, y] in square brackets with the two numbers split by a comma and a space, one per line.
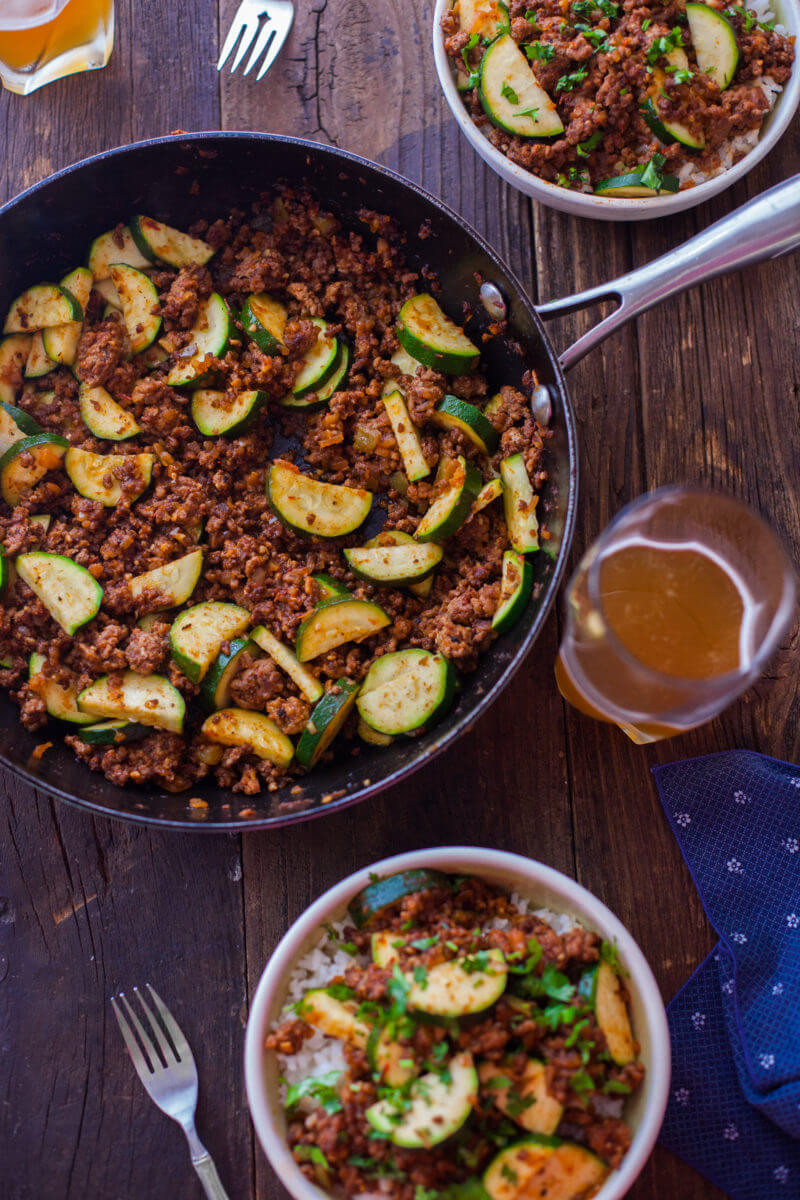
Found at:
[474, 713]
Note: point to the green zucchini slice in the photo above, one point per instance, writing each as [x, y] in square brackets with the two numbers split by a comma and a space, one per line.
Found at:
[42, 520]
[103, 417]
[127, 696]
[715, 45]
[41, 306]
[544, 1168]
[601, 987]
[170, 585]
[319, 362]
[109, 293]
[405, 432]
[10, 430]
[396, 537]
[264, 320]
[433, 339]
[336, 622]
[308, 505]
[454, 413]
[478, 16]
[405, 690]
[37, 363]
[210, 335]
[196, 636]
[68, 591]
[24, 422]
[407, 364]
[139, 302]
[515, 591]
[14, 354]
[216, 687]
[457, 989]
[61, 702]
[450, 510]
[328, 587]
[511, 97]
[112, 733]
[380, 894]
[114, 247]
[528, 1102]
[395, 565]
[326, 720]
[161, 243]
[388, 1058]
[371, 736]
[631, 187]
[667, 132]
[257, 732]
[490, 491]
[436, 1107]
[27, 461]
[307, 684]
[217, 413]
[311, 401]
[100, 476]
[337, 1018]
[60, 343]
[519, 502]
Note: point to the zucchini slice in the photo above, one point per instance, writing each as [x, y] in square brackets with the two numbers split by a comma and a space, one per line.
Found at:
[457, 988]
[114, 247]
[264, 320]
[311, 401]
[544, 1168]
[515, 591]
[450, 510]
[454, 413]
[490, 491]
[210, 335]
[127, 696]
[61, 702]
[43, 520]
[396, 537]
[380, 894]
[196, 636]
[336, 1018]
[170, 585]
[10, 431]
[23, 421]
[512, 98]
[112, 733]
[329, 588]
[519, 502]
[14, 354]
[308, 505]
[528, 1103]
[388, 1058]
[327, 718]
[600, 986]
[405, 432]
[307, 684]
[407, 364]
[667, 132]
[254, 730]
[436, 1107]
[479, 16]
[217, 413]
[319, 362]
[100, 476]
[394, 564]
[631, 187]
[161, 243]
[103, 417]
[715, 45]
[27, 461]
[109, 293]
[405, 690]
[37, 363]
[41, 306]
[68, 591]
[216, 688]
[433, 339]
[139, 302]
[60, 343]
[371, 736]
[336, 622]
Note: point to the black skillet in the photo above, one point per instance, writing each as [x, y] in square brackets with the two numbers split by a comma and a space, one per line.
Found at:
[45, 231]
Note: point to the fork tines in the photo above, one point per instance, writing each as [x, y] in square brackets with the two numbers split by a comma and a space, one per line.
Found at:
[259, 26]
[161, 1045]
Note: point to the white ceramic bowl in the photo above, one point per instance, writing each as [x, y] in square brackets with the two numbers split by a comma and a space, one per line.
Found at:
[606, 208]
[547, 887]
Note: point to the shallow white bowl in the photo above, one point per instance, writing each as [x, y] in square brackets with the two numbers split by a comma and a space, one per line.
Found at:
[607, 208]
[532, 879]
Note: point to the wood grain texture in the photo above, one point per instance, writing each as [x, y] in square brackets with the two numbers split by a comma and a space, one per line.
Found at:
[704, 389]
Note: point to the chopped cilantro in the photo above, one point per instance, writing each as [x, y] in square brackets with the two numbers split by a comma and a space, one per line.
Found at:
[528, 112]
[566, 83]
[478, 962]
[516, 1104]
[321, 1088]
[340, 991]
[609, 951]
[471, 44]
[652, 176]
[497, 1082]
[452, 946]
[398, 989]
[423, 1193]
[508, 1174]
[595, 37]
[421, 976]
[509, 93]
[616, 1087]
[530, 15]
[350, 948]
[663, 45]
[585, 148]
[581, 1081]
[559, 1014]
[424, 943]
[540, 51]
[310, 1154]
[575, 1033]
[409, 924]
[646, 23]
[439, 1051]
[680, 74]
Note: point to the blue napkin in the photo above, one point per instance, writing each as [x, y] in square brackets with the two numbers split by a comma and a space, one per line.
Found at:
[734, 1108]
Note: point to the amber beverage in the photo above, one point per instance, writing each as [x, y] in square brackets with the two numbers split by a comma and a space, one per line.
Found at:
[43, 40]
[673, 612]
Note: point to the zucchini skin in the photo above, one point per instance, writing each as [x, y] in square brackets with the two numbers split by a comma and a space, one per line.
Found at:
[327, 718]
[381, 893]
[510, 609]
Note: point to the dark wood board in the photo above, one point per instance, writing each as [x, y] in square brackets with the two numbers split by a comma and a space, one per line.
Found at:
[704, 389]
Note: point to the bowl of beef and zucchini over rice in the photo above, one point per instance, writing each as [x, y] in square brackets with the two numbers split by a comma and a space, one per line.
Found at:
[619, 109]
[457, 1024]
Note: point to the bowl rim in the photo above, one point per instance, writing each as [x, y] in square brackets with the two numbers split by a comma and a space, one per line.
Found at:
[476, 859]
[587, 204]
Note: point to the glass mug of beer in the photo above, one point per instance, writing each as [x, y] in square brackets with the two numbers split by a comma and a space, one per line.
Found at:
[43, 40]
[673, 612]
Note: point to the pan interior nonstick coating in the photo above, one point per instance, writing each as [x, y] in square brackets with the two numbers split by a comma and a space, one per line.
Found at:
[45, 232]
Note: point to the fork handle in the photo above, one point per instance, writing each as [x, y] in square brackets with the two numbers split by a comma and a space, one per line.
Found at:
[204, 1166]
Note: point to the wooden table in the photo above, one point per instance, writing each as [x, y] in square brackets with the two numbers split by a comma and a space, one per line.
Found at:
[704, 389]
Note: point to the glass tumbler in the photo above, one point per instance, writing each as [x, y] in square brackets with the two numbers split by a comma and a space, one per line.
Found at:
[44, 40]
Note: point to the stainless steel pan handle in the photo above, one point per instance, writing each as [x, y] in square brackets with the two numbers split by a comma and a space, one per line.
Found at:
[765, 227]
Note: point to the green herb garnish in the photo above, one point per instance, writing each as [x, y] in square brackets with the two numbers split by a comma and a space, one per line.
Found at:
[509, 93]
[585, 148]
[540, 51]
[566, 83]
[321, 1088]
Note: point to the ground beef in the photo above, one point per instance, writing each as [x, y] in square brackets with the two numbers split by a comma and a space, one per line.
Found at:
[101, 350]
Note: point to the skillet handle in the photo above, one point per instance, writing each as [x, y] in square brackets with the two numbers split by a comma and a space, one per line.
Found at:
[766, 227]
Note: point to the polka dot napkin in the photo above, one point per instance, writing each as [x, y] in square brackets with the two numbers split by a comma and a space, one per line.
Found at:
[734, 1109]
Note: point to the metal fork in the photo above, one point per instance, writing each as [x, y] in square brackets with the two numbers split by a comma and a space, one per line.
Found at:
[275, 19]
[164, 1063]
